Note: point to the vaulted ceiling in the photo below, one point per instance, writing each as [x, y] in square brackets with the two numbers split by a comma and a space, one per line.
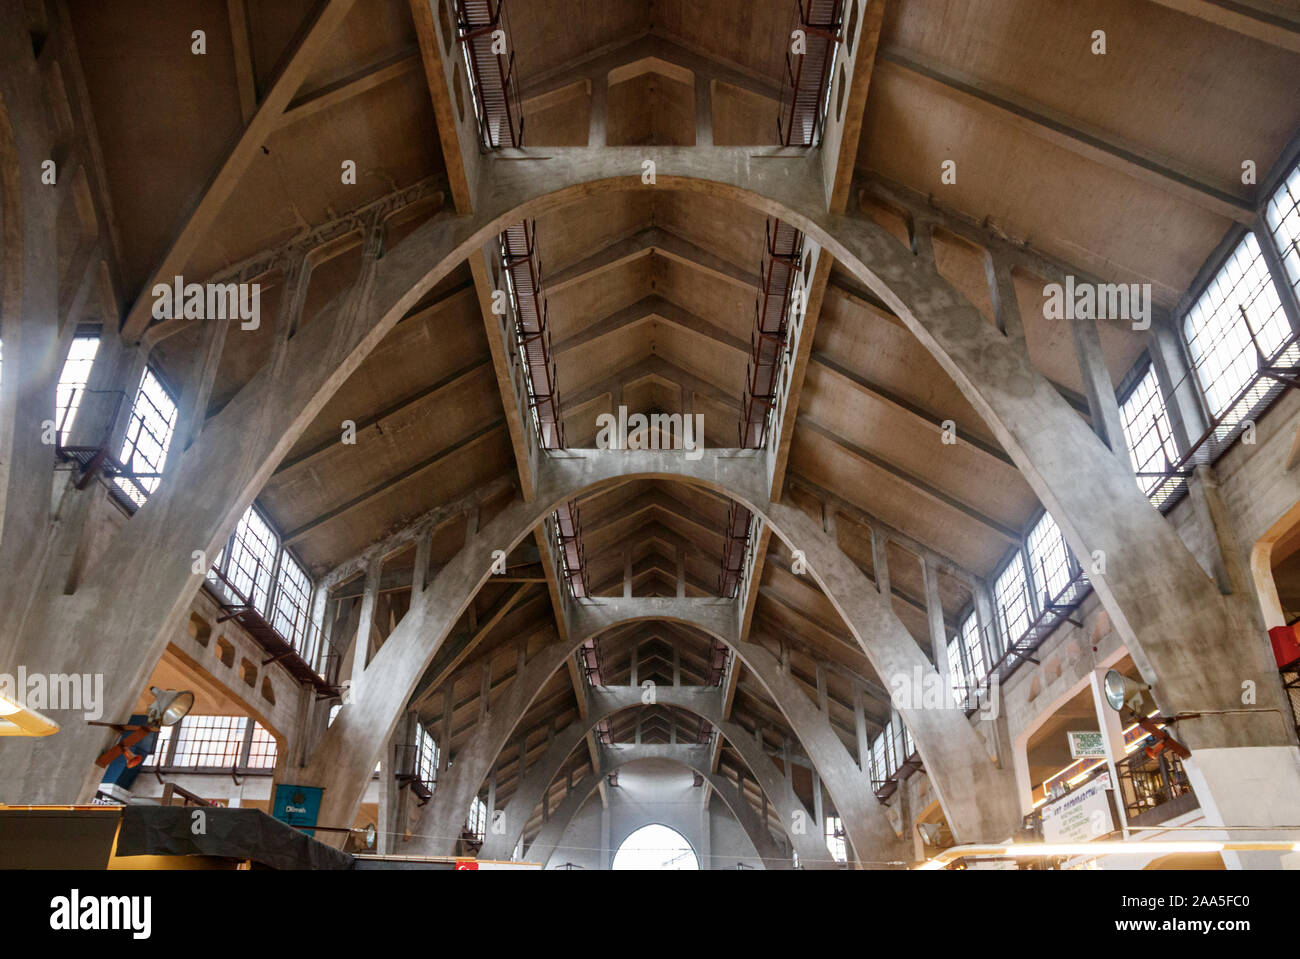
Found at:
[1126, 165]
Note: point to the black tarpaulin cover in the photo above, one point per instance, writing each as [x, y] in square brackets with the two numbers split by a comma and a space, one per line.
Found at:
[230, 833]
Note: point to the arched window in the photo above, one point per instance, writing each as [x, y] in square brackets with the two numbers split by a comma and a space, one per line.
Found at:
[656, 847]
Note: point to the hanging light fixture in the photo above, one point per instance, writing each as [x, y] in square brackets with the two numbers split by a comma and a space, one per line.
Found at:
[168, 708]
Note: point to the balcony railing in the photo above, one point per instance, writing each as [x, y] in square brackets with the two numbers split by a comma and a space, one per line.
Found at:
[1274, 374]
[304, 656]
[1154, 790]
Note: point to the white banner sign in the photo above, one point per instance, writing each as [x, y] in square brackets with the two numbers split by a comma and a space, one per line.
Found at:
[1080, 816]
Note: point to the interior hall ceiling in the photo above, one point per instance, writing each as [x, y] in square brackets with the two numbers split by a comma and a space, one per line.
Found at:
[651, 295]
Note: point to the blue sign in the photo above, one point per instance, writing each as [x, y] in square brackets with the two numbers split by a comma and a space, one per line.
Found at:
[297, 805]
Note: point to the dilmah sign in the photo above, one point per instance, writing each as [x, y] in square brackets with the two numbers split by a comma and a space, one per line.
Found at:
[298, 806]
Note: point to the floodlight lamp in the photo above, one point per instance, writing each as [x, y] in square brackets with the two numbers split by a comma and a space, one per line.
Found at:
[169, 706]
[1122, 691]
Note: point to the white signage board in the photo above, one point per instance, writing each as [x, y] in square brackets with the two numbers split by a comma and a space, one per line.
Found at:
[1087, 744]
[1080, 816]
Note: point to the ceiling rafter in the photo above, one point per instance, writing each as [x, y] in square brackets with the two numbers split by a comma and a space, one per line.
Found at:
[312, 38]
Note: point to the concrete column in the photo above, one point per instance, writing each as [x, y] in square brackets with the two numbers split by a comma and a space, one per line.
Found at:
[599, 112]
[1103, 407]
[1187, 420]
[880, 561]
[1002, 291]
[986, 621]
[1215, 547]
[1285, 291]
[1112, 735]
[703, 111]
[818, 812]
[448, 715]
[627, 574]
[681, 572]
[369, 597]
[420, 575]
[934, 617]
[860, 725]
[606, 853]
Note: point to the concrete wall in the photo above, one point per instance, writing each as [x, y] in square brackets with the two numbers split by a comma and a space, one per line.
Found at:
[650, 792]
[1257, 493]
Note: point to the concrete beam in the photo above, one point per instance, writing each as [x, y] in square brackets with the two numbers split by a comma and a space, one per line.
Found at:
[312, 38]
[1258, 19]
[1073, 135]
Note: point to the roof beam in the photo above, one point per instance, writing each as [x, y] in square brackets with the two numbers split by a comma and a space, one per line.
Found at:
[446, 386]
[647, 308]
[1252, 18]
[297, 535]
[887, 396]
[916, 483]
[320, 27]
[455, 154]
[1073, 135]
[456, 649]
[245, 75]
[398, 65]
[650, 241]
[840, 150]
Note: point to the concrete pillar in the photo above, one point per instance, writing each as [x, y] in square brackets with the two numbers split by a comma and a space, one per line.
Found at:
[1103, 407]
[880, 561]
[934, 617]
[1217, 547]
[627, 574]
[1002, 292]
[1187, 420]
[703, 111]
[818, 812]
[606, 853]
[369, 597]
[599, 112]
[420, 574]
[681, 572]
[1285, 291]
[987, 622]
[860, 726]
[1112, 736]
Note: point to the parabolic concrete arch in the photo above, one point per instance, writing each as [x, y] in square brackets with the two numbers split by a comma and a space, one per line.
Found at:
[1146, 578]
[1150, 583]
[604, 702]
[978, 798]
[849, 786]
[696, 759]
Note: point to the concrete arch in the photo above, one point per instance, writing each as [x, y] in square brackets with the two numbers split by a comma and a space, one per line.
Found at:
[698, 761]
[1152, 587]
[1151, 579]
[705, 702]
[868, 830]
[978, 798]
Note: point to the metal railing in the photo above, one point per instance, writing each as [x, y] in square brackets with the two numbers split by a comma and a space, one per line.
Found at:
[305, 656]
[806, 80]
[483, 29]
[1147, 783]
[1274, 374]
